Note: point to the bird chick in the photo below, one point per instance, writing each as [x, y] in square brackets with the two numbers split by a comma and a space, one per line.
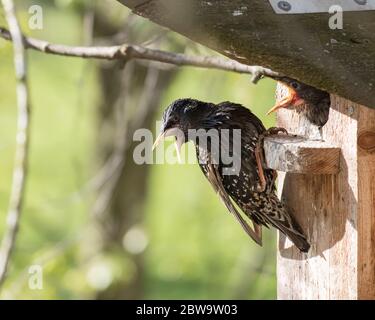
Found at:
[237, 183]
[313, 103]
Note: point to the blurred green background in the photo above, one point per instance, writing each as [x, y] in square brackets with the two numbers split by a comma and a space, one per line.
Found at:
[150, 231]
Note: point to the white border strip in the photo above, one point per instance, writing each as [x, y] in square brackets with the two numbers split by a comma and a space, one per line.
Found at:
[319, 6]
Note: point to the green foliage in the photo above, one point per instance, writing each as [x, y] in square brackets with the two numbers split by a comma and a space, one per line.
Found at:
[63, 97]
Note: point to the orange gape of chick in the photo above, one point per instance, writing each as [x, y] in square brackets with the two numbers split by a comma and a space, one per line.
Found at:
[291, 100]
[311, 102]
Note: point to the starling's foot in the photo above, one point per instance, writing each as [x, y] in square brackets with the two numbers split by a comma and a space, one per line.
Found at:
[274, 130]
[259, 155]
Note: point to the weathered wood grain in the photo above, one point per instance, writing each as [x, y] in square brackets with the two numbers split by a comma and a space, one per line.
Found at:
[297, 154]
[336, 211]
[301, 46]
[366, 203]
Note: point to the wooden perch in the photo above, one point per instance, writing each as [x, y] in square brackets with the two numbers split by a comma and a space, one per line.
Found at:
[296, 154]
[300, 46]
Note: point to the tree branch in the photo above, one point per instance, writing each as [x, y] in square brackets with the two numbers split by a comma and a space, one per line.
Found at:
[127, 52]
[22, 141]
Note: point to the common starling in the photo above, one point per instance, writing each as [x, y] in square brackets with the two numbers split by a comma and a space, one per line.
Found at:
[239, 181]
[313, 103]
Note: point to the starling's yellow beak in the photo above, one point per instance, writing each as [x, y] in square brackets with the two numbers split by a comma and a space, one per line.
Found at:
[159, 138]
[291, 100]
[179, 136]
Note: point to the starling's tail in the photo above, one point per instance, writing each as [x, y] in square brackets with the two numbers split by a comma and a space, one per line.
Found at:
[285, 222]
[296, 237]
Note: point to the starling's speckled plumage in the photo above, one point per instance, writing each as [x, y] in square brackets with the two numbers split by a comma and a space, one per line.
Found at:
[260, 205]
[313, 103]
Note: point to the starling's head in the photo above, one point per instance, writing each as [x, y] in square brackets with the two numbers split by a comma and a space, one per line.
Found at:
[181, 116]
[299, 94]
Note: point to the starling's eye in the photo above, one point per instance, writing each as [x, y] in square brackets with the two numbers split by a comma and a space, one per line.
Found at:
[173, 119]
[294, 84]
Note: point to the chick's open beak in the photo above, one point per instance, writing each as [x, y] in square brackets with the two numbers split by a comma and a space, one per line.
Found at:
[179, 136]
[291, 100]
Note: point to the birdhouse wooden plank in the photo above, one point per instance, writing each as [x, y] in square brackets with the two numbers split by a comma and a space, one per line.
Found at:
[296, 154]
[336, 211]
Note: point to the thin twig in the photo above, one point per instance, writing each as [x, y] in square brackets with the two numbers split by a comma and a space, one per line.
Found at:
[128, 51]
[22, 141]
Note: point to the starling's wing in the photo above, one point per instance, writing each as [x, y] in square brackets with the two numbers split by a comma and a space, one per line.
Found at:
[243, 115]
[257, 177]
[213, 176]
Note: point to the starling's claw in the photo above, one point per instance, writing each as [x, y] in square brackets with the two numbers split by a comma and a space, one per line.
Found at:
[274, 130]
